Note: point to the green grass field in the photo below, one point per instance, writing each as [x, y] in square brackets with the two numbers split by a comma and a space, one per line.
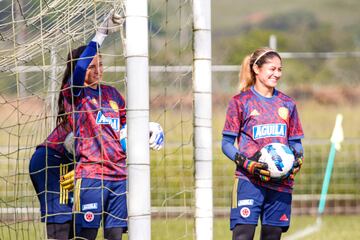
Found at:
[332, 228]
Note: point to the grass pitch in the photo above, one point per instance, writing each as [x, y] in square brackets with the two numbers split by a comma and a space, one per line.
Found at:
[333, 228]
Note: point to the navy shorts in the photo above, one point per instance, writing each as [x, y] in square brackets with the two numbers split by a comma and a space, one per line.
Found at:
[250, 201]
[99, 200]
[45, 169]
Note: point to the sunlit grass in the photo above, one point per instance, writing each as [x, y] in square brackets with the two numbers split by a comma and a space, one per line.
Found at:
[332, 228]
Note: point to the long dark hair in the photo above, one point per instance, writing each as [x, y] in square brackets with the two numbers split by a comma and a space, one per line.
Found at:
[72, 58]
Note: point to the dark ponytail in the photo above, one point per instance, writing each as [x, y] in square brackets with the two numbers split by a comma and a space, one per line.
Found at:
[72, 58]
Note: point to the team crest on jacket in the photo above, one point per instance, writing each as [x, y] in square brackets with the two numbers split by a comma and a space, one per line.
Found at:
[114, 105]
[283, 113]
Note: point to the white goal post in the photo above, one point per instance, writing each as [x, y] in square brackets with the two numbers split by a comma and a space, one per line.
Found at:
[202, 119]
[137, 71]
[138, 115]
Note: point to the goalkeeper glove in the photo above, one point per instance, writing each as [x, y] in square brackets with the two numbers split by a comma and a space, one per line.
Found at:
[67, 180]
[111, 23]
[299, 158]
[156, 140]
[253, 166]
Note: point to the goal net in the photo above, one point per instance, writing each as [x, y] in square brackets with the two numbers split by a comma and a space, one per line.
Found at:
[171, 104]
[35, 38]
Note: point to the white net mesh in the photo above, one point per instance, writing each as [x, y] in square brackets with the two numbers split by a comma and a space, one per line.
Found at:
[35, 38]
[172, 181]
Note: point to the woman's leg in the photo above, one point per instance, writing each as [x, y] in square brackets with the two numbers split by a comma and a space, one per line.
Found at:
[270, 232]
[243, 232]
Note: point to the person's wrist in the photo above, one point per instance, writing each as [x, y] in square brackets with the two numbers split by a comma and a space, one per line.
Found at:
[99, 37]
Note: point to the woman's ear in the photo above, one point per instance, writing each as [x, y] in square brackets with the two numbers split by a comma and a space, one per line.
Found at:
[256, 69]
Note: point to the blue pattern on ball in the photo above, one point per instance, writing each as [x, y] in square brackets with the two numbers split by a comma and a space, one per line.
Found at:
[275, 157]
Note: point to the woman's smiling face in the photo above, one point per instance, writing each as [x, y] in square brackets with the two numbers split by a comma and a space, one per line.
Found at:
[269, 73]
[94, 71]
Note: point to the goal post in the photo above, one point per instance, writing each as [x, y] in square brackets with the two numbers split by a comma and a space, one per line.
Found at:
[202, 119]
[137, 70]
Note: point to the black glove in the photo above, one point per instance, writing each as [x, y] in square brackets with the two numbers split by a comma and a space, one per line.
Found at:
[253, 166]
[299, 158]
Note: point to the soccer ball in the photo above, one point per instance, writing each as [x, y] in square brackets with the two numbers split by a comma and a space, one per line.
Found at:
[279, 158]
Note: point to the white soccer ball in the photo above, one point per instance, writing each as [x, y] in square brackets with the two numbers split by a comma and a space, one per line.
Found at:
[279, 158]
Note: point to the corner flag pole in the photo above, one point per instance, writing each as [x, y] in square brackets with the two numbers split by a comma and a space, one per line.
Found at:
[336, 138]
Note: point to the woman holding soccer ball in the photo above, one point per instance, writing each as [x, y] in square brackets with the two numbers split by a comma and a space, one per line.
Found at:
[257, 117]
